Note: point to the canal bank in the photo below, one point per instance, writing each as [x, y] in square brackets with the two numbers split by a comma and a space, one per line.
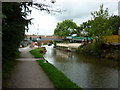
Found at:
[57, 77]
[102, 51]
[86, 71]
[68, 46]
[27, 73]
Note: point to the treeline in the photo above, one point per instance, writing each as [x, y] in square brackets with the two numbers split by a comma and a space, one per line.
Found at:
[101, 24]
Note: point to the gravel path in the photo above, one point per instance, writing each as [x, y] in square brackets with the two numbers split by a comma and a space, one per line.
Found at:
[28, 74]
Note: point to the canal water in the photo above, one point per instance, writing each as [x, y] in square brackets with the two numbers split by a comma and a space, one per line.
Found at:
[85, 71]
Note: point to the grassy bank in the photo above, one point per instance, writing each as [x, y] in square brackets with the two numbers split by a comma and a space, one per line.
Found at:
[57, 77]
[101, 50]
[36, 53]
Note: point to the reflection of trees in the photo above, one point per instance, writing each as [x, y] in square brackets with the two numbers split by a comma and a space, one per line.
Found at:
[60, 55]
[101, 77]
[95, 61]
[65, 56]
[94, 72]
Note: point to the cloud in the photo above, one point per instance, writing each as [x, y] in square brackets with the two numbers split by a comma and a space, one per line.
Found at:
[78, 10]
[42, 23]
[81, 9]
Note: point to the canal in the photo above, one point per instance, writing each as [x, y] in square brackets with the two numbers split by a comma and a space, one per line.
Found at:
[85, 71]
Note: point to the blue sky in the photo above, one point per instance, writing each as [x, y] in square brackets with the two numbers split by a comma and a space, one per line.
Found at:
[78, 10]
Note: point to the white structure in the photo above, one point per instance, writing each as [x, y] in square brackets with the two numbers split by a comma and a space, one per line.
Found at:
[119, 8]
[119, 31]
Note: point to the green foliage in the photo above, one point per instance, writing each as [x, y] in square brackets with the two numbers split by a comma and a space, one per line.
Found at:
[114, 24]
[56, 76]
[90, 49]
[84, 28]
[101, 13]
[13, 25]
[100, 25]
[7, 69]
[65, 28]
[36, 53]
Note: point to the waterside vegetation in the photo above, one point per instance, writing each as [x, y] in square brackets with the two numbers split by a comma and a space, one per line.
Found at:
[98, 28]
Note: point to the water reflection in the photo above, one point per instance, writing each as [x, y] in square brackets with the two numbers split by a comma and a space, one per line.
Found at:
[86, 71]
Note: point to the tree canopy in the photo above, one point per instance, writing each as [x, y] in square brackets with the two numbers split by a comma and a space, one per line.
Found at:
[65, 28]
[114, 24]
[101, 25]
[14, 24]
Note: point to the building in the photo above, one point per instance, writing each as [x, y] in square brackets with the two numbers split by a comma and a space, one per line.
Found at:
[119, 8]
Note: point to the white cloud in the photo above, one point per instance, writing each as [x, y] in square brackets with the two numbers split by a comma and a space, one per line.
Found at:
[78, 10]
[42, 23]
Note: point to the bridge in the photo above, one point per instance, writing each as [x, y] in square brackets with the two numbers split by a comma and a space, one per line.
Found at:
[50, 39]
[44, 38]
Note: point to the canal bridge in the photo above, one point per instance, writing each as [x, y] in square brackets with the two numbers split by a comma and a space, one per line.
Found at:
[44, 37]
[50, 39]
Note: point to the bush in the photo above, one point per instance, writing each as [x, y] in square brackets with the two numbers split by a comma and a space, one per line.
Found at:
[91, 49]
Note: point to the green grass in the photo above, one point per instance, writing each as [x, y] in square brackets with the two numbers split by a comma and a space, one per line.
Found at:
[8, 67]
[36, 53]
[57, 77]
[10, 64]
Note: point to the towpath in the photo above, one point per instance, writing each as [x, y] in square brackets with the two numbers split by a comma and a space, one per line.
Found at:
[27, 73]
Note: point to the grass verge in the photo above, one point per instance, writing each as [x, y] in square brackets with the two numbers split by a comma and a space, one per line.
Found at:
[10, 64]
[7, 69]
[56, 76]
[36, 53]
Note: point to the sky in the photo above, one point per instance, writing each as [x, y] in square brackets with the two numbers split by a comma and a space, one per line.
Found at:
[77, 10]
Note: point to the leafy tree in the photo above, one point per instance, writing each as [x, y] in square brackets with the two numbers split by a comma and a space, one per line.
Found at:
[100, 25]
[65, 28]
[78, 31]
[83, 29]
[14, 24]
[114, 24]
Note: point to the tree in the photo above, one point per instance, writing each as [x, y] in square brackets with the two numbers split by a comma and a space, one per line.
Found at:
[65, 28]
[100, 25]
[83, 29]
[114, 24]
[14, 24]
[78, 31]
